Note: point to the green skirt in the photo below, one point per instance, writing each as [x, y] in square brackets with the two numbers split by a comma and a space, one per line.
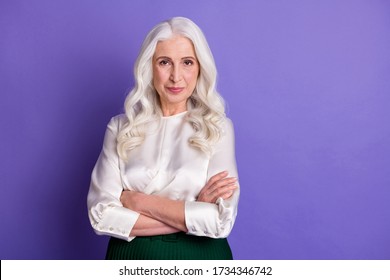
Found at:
[175, 246]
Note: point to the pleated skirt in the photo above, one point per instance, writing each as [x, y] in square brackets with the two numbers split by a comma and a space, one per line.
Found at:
[176, 246]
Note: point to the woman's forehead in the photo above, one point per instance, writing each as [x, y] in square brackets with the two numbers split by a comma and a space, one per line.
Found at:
[177, 46]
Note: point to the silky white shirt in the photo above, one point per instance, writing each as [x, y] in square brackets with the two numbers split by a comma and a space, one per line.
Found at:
[165, 165]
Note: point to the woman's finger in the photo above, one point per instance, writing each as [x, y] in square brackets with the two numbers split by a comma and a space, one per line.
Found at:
[224, 192]
[217, 186]
[227, 195]
[222, 183]
[215, 178]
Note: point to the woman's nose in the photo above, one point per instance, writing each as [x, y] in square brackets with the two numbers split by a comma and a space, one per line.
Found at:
[176, 74]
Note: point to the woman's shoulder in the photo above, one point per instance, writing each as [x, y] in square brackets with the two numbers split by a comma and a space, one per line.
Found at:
[227, 125]
[117, 121]
[120, 118]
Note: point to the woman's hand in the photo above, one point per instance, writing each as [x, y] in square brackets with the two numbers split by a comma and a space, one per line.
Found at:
[130, 199]
[218, 186]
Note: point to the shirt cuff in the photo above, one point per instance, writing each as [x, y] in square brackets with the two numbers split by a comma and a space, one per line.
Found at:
[202, 219]
[117, 222]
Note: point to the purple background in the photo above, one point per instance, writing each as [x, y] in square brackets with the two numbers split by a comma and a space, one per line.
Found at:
[308, 88]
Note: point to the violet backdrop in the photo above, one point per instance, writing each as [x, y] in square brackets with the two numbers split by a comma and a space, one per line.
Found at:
[307, 87]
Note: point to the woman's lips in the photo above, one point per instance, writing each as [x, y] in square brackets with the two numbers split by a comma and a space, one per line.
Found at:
[175, 90]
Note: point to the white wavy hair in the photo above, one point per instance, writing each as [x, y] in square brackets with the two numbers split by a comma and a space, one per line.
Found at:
[206, 108]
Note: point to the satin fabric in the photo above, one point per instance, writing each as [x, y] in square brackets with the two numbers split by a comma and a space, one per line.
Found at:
[165, 165]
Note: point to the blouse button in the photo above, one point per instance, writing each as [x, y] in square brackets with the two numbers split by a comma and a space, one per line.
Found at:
[110, 228]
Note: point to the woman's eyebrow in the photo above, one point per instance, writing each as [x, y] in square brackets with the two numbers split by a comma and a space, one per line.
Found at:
[163, 57]
[189, 57]
[167, 57]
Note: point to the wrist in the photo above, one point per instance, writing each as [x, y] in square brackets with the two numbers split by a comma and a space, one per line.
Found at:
[139, 201]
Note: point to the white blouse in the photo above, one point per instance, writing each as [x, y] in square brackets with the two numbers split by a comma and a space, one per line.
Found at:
[165, 165]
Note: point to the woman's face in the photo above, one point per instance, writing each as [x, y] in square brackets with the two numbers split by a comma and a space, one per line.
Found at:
[175, 72]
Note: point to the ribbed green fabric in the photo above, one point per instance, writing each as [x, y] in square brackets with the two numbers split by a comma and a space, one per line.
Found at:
[176, 246]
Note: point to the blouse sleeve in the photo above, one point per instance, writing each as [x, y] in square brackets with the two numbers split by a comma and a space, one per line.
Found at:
[106, 213]
[216, 220]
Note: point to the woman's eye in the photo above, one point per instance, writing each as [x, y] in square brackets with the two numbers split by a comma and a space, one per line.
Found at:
[188, 62]
[164, 62]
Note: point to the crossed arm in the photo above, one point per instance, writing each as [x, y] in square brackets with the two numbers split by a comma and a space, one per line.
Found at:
[126, 214]
[159, 215]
